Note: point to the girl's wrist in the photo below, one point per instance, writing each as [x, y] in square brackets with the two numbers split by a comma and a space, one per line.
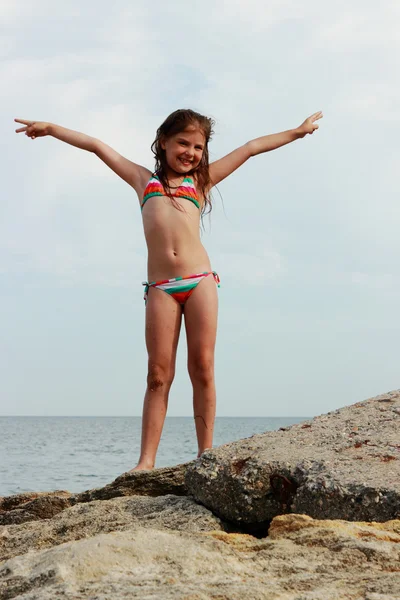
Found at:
[299, 133]
[50, 128]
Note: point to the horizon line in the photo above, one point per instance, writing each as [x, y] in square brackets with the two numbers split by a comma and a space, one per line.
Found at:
[140, 416]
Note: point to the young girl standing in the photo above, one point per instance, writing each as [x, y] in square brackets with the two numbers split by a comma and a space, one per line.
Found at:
[180, 280]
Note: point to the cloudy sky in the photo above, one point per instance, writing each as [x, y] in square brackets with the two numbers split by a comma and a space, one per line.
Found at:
[305, 239]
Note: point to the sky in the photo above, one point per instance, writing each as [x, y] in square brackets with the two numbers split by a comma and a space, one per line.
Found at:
[305, 239]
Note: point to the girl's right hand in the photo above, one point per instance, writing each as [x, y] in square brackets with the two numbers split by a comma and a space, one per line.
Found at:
[33, 129]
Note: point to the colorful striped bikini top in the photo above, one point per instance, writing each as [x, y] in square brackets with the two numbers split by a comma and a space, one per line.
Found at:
[186, 190]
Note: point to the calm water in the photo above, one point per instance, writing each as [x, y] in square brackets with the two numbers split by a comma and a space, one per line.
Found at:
[79, 453]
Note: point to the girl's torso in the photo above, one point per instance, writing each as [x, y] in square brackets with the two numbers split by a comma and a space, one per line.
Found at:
[172, 234]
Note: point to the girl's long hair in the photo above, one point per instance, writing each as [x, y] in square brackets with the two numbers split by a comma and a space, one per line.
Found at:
[177, 122]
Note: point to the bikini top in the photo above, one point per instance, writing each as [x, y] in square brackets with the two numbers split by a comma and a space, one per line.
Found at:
[186, 190]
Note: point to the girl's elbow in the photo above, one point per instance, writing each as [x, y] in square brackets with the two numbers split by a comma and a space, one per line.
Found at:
[251, 148]
[94, 146]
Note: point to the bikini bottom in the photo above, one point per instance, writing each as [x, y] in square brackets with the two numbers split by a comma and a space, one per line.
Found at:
[180, 288]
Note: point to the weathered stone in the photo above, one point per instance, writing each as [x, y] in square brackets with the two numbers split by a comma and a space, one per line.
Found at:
[302, 560]
[119, 514]
[35, 506]
[343, 465]
[157, 482]
[8, 503]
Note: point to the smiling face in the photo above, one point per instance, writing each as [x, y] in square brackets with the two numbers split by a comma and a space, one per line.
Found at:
[184, 150]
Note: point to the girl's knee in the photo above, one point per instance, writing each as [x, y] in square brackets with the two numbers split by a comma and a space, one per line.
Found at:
[159, 376]
[202, 370]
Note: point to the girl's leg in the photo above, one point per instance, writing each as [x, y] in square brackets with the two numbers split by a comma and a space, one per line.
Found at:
[163, 323]
[201, 311]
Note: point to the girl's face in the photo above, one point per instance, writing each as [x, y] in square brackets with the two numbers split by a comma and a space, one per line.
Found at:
[184, 150]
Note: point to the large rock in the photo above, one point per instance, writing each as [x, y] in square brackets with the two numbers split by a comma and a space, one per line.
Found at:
[342, 465]
[36, 506]
[33, 506]
[157, 482]
[120, 514]
[302, 560]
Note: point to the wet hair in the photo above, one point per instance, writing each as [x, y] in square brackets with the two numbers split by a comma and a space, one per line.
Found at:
[177, 122]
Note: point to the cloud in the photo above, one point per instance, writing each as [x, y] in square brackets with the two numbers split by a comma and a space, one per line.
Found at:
[246, 258]
[382, 281]
[73, 219]
[12, 10]
[360, 26]
[377, 101]
[97, 256]
[251, 269]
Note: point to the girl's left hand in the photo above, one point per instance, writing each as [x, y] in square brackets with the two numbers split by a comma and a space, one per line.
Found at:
[309, 125]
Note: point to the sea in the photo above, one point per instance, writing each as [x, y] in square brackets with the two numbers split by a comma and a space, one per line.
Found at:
[81, 453]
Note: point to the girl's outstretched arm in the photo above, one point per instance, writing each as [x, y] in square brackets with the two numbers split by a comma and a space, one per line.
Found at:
[223, 167]
[134, 174]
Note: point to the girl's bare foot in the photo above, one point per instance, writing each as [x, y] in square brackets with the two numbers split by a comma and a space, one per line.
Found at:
[142, 467]
[200, 452]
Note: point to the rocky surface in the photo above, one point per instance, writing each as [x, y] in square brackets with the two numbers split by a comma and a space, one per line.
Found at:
[302, 559]
[158, 482]
[120, 514]
[170, 533]
[35, 506]
[342, 465]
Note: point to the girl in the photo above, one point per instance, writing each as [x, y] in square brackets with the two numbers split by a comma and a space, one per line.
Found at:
[180, 278]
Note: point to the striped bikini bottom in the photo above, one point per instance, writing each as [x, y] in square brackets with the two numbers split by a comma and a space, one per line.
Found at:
[180, 288]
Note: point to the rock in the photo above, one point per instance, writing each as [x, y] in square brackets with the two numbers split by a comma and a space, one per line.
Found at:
[157, 482]
[343, 465]
[119, 514]
[303, 559]
[8, 503]
[35, 506]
